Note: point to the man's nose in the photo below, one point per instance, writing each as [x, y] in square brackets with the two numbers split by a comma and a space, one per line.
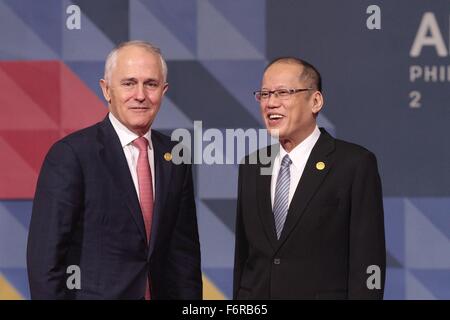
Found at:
[140, 93]
[273, 101]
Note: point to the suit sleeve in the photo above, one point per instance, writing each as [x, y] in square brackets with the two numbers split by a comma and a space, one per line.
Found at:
[56, 207]
[367, 251]
[241, 243]
[184, 263]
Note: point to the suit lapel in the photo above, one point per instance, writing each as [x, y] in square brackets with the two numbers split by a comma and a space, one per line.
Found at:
[264, 199]
[112, 155]
[163, 169]
[310, 181]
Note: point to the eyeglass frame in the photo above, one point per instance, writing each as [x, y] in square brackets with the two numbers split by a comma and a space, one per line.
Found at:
[274, 92]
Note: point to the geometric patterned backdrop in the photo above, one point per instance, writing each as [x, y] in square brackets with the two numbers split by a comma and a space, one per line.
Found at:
[216, 51]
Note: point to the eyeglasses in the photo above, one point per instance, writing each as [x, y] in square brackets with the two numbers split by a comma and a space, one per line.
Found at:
[283, 94]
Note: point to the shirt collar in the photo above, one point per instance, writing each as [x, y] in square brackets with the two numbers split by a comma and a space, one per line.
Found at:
[302, 149]
[126, 136]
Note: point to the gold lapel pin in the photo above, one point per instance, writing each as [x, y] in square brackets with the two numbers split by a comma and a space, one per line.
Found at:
[167, 156]
[320, 165]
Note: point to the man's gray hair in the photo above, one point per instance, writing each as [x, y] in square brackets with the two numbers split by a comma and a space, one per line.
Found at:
[111, 59]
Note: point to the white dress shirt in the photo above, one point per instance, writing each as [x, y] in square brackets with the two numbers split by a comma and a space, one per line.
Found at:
[299, 156]
[126, 137]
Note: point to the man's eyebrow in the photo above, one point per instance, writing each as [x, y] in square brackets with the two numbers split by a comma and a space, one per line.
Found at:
[151, 80]
[276, 88]
[128, 79]
[136, 80]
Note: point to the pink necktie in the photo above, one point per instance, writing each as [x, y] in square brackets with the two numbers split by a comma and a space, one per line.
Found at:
[145, 190]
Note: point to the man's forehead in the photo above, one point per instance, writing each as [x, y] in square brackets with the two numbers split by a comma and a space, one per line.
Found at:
[284, 73]
[135, 61]
[126, 55]
[285, 67]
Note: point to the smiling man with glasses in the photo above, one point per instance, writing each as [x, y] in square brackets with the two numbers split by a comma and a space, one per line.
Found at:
[314, 228]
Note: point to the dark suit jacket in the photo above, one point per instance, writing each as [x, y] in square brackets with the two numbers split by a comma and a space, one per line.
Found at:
[86, 213]
[333, 232]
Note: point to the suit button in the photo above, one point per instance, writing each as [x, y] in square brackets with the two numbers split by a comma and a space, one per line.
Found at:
[276, 261]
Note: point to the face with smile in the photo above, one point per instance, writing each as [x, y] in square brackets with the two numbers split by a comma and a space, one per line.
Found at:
[292, 118]
[135, 88]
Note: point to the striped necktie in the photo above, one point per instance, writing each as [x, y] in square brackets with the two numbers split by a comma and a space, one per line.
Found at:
[281, 201]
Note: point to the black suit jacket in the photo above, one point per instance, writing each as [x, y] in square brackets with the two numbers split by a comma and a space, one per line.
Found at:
[333, 232]
[86, 213]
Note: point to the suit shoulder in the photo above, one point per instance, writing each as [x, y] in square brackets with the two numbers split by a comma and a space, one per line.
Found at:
[352, 149]
[354, 153]
[81, 135]
[79, 139]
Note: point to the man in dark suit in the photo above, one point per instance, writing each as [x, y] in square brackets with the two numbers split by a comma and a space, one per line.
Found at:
[111, 205]
[312, 228]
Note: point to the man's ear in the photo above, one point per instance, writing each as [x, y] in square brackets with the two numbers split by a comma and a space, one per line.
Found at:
[166, 87]
[317, 102]
[105, 89]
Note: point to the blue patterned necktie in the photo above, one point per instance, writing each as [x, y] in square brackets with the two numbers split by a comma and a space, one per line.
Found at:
[281, 202]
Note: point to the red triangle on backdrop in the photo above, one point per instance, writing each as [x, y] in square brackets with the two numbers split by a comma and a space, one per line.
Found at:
[80, 107]
[53, 101]
[18, 110]
[39, 80]
[17, 178]
[31, 145]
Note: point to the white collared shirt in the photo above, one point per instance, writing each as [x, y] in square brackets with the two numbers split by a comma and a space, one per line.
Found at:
[126, 137]
[299, 156]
